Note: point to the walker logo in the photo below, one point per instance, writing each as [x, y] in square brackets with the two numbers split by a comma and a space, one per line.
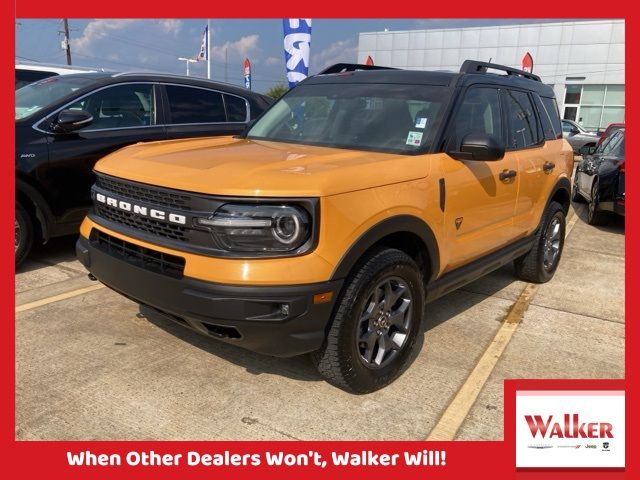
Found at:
[570, 428]
[552, 426]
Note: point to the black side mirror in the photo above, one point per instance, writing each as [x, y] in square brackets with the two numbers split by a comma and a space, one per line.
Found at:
[575, 130]
[480, 147]
[587, 150]
[69, 121]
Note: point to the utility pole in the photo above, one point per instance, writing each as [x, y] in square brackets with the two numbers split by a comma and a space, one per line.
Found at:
[226, 66]
[65, 44]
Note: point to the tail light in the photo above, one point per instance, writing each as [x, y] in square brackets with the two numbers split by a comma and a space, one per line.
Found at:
[621, 167]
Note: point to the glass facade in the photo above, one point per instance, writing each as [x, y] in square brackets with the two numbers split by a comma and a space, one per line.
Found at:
[594, 106]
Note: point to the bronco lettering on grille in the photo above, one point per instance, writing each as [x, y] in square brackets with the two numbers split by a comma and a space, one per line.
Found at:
[141, 210]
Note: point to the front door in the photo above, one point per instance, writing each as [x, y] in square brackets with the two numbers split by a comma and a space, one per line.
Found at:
[122, 115]
[480, 196]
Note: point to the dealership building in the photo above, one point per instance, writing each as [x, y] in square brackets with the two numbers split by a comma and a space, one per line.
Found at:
[582, 60]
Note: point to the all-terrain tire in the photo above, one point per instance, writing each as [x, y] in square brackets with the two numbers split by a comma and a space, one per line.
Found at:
[340, 360]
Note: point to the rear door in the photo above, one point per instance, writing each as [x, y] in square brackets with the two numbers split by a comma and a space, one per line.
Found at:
[480, 198]
[533, 139]
[196, 112]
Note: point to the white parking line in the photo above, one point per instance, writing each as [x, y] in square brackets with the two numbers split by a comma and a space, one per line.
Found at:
[461, 405]
[57, 298]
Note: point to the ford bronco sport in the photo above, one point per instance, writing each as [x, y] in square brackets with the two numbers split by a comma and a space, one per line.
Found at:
[361, 195]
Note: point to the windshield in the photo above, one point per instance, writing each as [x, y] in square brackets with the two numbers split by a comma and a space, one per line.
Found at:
[380, 117]
[35, 96]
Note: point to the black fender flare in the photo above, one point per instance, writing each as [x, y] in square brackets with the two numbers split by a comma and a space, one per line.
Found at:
[562, 184]
[44, 216]
[391, 225]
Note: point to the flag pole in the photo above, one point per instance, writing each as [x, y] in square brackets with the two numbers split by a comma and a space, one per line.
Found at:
[208, 49]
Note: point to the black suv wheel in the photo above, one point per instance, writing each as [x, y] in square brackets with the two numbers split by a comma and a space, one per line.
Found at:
[24, 234]
[375, 324]
[541, 262]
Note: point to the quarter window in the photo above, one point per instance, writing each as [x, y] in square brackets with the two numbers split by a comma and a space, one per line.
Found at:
[195, 105]
[236, 108]
[121, 106]
[551, 108]
[523, 130]
[479, 113]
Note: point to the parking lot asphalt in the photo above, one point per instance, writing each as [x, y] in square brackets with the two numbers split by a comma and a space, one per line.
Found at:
[89, 366]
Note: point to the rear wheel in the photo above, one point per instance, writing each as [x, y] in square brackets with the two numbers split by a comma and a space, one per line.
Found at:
[541, 262]
[23, 234]
[595, 216]
[375, 324]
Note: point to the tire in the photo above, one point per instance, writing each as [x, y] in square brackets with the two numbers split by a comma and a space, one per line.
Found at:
[539, 265]
[353, 356]
[575, 193]
[23, 234]
[595, 216]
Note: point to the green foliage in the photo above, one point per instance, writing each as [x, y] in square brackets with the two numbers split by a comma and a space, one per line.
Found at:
[277, 91]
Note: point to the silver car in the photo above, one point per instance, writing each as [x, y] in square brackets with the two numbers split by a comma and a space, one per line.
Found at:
[577, 136]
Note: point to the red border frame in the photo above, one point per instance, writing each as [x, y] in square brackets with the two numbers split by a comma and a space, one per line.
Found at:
[464, 459]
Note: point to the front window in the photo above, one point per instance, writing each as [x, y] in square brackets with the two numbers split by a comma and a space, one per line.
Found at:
[379, 117]
[34, 97]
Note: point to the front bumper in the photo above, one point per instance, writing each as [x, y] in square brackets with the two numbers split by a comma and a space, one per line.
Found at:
[281, 321]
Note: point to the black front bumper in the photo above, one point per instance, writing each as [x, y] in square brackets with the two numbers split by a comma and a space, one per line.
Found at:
[281, 321]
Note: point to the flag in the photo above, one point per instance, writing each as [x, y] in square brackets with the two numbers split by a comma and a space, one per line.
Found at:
[247, 73]
[204, 46]
[297, 44]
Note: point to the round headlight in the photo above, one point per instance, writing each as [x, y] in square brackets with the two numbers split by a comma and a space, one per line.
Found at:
[286, 228]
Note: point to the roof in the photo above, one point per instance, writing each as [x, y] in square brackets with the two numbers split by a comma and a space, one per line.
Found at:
[345, 73]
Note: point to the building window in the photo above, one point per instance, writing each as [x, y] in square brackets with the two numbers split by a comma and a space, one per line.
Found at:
[594, 106]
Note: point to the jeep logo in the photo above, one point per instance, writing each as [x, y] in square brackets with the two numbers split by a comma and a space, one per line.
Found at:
[140, 210]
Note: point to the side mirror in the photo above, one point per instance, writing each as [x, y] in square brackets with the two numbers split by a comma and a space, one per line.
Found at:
[575, 130]
[69, 121]
[481, 147]
[587, 150]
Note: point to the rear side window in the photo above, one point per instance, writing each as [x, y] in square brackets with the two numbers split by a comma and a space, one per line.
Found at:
[25, 77]
[547, 128]
[236, 108]
[551, 108]
[523, 128]
[195, 105]
[479, 113]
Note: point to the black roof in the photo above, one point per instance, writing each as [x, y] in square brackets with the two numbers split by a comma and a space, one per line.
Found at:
[345, 73]
[110, 78]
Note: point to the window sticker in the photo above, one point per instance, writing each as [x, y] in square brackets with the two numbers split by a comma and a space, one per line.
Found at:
[414, 138]
[421, 122]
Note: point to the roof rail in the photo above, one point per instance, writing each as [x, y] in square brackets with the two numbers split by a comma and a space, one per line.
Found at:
[351, 67]
[473, 66]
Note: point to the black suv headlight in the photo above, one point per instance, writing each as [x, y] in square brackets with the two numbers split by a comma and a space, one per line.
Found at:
[251, 228]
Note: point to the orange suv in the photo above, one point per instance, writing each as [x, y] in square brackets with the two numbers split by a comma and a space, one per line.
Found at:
[361, 195]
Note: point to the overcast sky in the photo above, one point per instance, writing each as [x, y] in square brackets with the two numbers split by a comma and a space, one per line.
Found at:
[145, 45]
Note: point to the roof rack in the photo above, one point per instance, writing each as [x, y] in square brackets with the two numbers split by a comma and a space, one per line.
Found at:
[351, 67]
[473, 66]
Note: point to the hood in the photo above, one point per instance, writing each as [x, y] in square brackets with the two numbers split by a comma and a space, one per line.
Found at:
[240, 167]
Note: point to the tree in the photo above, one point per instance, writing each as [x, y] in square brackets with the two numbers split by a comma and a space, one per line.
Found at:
[277, 91]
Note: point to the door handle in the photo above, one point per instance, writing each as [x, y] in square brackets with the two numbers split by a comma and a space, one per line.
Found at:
[548, 167]
[507, 175]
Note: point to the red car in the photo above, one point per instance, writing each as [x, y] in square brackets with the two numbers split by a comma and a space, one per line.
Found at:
[610, 129]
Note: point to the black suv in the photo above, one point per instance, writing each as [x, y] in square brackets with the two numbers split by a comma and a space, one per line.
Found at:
[64, 124]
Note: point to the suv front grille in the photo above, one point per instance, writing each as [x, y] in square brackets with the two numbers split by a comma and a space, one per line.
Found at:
[152, 260]
[136, 191]
[148, 225]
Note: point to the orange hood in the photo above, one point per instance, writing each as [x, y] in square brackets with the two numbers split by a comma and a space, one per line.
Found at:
[238, 167]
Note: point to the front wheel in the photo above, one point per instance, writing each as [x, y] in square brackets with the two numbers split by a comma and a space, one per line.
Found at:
[23, 234]
[375, 324]
[541, 262]
[594, 215]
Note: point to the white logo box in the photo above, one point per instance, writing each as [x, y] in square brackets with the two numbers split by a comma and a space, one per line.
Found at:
[570, 429]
